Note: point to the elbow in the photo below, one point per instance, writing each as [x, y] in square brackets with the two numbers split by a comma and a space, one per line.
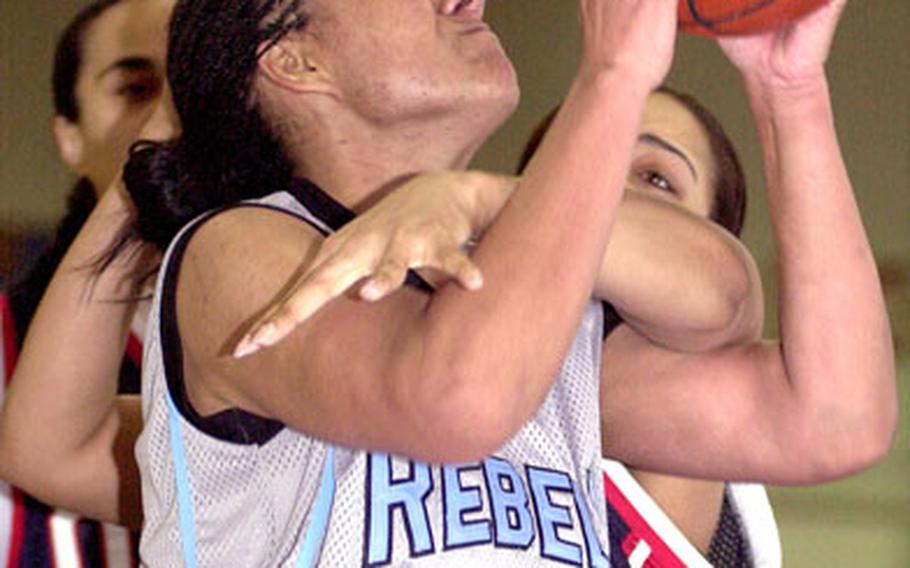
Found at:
[476, 428]
[852, 448]
[19, 468]
[11, 458]
[463, 417]
[737, 312]
[744, 299]
[730, 302]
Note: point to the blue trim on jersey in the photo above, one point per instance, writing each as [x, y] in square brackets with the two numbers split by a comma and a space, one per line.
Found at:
[322, 510]
[182, 479]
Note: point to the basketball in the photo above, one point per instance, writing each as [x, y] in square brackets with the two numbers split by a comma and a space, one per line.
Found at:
[740, 17]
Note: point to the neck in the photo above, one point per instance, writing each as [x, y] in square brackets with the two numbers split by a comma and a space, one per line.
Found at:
[358, 165]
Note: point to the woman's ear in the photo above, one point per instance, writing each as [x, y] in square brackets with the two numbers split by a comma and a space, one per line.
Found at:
[290, 65]
[70, 143]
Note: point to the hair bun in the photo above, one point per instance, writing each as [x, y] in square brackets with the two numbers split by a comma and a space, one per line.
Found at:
[158, 184]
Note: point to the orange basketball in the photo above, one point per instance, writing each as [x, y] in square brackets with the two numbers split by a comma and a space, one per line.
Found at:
[740, 17]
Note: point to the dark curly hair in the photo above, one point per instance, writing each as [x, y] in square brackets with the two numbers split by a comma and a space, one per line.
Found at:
[227, 151]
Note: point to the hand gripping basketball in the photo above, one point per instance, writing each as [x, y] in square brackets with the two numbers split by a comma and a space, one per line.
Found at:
[635, 37]
[741, 17]
[790, 57]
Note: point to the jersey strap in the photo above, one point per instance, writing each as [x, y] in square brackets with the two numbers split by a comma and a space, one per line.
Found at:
[185, 510]
[322, 511]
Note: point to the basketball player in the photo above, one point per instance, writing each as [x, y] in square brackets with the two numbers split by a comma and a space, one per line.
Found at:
[263, 471]
[107, 79]
[799, 95]
[669, 520]
[567, 119]
[694, 253]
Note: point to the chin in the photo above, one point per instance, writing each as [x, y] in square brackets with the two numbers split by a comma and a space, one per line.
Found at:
[500, 89]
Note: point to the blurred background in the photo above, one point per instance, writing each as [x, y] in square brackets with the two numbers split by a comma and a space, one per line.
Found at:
[863, 521]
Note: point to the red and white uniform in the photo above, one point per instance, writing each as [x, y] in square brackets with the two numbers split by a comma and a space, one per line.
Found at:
[35, 536]
[642, 535]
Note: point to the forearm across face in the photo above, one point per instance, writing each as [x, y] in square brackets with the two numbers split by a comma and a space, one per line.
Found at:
[479, 363]
[678, 279]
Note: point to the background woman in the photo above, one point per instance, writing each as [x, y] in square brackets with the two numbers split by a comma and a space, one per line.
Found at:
[108, 77]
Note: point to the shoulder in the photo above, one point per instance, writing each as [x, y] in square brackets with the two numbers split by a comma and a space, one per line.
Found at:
[223, 271]
[238, 258]
[249, 230]
[240, 248]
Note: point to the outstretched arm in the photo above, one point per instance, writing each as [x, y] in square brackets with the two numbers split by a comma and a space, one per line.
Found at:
[405, 359]
[821, 403]
[703, 290]
[65, 436]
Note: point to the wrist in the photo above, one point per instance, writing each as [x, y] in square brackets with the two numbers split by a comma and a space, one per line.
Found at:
[484, 198]
[608, 80]
[782, 98]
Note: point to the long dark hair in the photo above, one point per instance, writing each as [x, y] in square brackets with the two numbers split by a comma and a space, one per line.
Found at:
[728, 208]
[227, 152]
[26, 293]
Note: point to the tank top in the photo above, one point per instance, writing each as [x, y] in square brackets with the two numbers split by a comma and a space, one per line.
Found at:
[239, 490]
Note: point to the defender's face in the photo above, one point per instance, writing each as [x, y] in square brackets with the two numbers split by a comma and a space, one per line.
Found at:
[397, 59]
[120, 84]
[672, 158]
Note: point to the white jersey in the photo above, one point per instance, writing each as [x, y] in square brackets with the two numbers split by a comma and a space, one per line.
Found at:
[237, 490]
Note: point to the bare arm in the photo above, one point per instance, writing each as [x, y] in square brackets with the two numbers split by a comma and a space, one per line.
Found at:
[403, 372]
[821, 403]
[689, 286]
[702, 288]
[64, 435]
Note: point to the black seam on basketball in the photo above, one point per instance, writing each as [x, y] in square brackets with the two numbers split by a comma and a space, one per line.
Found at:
[711, 24]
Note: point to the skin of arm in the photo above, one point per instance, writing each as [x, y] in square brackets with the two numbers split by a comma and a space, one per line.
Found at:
[74, 449]
[821, 403]
[702, 287]
[405, 362]
[403, 373]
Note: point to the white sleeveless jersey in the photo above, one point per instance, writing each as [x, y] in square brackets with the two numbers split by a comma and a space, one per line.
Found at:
[257, 494]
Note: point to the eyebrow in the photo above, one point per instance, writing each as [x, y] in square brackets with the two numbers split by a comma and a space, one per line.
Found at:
[128, 64]
[657, 141]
